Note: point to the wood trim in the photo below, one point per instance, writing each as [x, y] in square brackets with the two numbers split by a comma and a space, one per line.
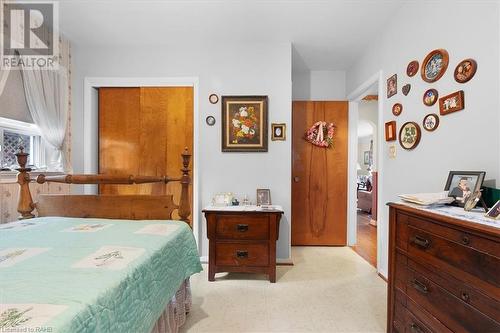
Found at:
[121, 207]
[370, 98]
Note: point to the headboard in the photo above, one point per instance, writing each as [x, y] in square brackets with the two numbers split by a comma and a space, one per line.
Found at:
[131, 207]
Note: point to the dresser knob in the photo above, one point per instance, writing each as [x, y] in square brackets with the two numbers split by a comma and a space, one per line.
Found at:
[465, 297]
[242, 227]
[465, 240]
[421, 241]
[420, 286]
[242, 254]
[415, 328]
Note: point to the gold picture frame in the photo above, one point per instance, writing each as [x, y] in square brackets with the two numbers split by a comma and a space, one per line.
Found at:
[278, 132]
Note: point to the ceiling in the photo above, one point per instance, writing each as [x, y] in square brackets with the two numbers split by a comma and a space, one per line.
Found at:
[327, 35]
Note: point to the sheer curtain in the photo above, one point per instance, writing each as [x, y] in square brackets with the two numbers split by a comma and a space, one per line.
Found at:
[47, 96]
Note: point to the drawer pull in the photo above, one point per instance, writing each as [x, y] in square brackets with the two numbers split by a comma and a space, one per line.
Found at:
[420, 286]
[242, 254]
[415, 328]
[421, 241]
[465, 297]
[465, 240]
[242, 227]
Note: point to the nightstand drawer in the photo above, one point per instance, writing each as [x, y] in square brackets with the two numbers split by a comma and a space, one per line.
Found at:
[241, 254]
[235, 227]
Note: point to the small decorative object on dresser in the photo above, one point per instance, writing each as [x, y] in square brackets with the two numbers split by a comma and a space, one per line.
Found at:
[390, 131]
[392, 85]
[451, 103]
[434, 65]
[412, 68]
[406, 89]
[397, 109]
[431, 122]
[213, 98]
[263, 196]
[494, 212]
[244, 123]
[242, 239]
[461, 184]
[465, 70]
[409, 135]
[210, 120]
[278, 132]
[444, 271]
[430, 97]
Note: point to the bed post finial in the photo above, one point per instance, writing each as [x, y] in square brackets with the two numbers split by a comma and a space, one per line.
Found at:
[25, 205]
[184, 206]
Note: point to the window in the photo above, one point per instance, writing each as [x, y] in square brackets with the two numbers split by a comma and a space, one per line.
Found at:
[16, 134]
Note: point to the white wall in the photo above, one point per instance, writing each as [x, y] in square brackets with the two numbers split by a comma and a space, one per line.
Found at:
[229, 69]
[319, 85]
[465, 140]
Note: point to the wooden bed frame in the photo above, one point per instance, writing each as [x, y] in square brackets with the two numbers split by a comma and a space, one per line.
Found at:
[130, 207]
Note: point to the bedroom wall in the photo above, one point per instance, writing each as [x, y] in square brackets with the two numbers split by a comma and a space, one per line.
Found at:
[465, 140]
[226, 69]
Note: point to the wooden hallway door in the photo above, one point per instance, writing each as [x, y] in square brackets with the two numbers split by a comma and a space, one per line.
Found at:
[319, 176]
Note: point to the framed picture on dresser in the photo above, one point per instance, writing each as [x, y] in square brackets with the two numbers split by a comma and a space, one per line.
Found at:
[494, 212]
[462, 184]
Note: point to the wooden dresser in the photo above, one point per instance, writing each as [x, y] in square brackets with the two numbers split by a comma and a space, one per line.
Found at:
[444, 273]
[242, 241]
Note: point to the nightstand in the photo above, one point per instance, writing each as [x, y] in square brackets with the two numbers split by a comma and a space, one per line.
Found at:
[242, 239]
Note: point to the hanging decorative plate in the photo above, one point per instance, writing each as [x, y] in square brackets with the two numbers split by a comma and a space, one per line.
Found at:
[406, 89]
[434, 65]
[397, 109]
[430, 97]
[431, 122]
[409, 135]
[213, 98]
[465, 70]
[321, 134]
[412, 68]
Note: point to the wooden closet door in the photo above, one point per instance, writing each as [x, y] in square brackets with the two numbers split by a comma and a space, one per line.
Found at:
[319, 176]
[143, 131]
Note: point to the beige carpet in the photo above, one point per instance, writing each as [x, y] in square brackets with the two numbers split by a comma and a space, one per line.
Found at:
[329, 289]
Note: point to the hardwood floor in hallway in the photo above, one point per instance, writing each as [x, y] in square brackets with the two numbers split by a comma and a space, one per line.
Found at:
[366, 245]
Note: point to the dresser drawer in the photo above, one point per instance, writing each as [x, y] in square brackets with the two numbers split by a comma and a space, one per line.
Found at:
[241, 254]
[250, 227]
[438, 251]
[453, 312]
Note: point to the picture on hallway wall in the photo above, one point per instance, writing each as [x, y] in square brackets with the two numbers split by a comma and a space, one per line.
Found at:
[278, 132]
[430, 97]
[412, 68]
[390, 131]
[397, 109]
[244, 124]
[406, 89]
[465, 70]
[409, 135]
[434, 65]
[431, 122]
[392, 86]
[451, 103]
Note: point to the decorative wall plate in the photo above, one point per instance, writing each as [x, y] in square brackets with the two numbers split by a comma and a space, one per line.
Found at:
[412, 68]
[434, 65]
[465, 70]
[397, 109]
[406, 89]
[213, 98]
[210, 120]
[431, 122]
[430, 97]
[409, 135]
[452, 103]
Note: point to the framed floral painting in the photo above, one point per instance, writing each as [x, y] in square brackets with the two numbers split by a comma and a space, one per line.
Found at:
[244, 124]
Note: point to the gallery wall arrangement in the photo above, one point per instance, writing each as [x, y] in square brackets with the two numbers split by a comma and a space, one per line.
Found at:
[432, 69]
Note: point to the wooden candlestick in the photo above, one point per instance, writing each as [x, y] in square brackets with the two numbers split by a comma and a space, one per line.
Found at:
[25, 205]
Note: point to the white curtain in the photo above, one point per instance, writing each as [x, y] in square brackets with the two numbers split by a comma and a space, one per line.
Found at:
[47, 96]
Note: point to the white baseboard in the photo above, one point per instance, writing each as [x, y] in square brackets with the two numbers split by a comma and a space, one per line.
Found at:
[283, 261]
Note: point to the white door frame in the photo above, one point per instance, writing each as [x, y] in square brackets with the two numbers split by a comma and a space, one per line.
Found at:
[354, 98]
[90, 123]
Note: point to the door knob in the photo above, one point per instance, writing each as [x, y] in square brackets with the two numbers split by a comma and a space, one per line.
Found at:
[296, 179]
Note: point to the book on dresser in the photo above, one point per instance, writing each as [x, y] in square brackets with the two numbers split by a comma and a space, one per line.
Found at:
[444, 270]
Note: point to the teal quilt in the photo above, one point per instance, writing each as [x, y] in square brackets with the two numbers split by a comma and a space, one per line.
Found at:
[91, 275]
